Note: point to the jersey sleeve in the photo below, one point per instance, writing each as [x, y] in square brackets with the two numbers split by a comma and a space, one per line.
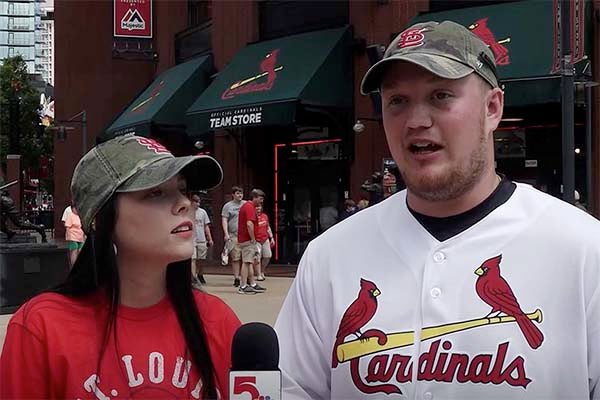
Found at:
[592, 297]
[24, 370]
[303, 362]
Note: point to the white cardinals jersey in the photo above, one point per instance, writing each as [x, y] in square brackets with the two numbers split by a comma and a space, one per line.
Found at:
[509, 308]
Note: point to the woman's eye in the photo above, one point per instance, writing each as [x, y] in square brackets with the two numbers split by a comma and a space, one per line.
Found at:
[154, 193]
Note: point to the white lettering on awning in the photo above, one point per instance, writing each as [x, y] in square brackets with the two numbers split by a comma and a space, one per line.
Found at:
[235, 118]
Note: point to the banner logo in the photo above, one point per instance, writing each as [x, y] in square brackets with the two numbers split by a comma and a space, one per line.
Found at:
[249, 85]
[132, 18]
[143, 105]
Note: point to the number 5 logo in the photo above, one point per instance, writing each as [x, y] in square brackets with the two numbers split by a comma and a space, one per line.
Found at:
[246, 384]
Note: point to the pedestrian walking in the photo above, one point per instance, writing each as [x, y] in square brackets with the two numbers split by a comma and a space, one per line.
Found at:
[229, 222]
[203, 240]
[247, 228]
[73, 234]
[265, 240]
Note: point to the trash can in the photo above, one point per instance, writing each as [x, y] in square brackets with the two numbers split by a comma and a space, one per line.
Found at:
[27, 269]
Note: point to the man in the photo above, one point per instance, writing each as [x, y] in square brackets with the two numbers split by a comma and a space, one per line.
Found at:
[463, 286]
[247, 228]
[229, 223]
[203, 240]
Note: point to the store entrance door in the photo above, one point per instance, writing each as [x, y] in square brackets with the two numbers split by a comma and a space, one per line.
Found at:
[311, 192]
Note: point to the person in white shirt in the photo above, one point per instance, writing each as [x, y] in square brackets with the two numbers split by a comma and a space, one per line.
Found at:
[466, 285]
[203, 240]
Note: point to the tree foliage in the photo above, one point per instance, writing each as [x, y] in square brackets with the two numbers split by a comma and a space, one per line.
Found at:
[20, 100]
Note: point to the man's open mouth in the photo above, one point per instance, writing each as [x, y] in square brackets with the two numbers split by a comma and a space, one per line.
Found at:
[424, 147]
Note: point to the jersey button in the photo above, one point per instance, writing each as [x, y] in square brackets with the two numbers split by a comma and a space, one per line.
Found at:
[427, 396]
[438, 257]
[436, 292]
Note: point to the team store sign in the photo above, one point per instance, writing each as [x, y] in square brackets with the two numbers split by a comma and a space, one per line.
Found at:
[236, 118]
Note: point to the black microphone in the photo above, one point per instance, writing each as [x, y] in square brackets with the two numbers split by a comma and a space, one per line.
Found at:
[254, 373]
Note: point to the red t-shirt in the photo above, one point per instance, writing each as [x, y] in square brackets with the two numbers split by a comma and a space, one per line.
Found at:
[247, 213]
[53, 343]
[262, 230]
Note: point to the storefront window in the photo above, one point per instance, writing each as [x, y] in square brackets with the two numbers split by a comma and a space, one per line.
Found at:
[283, 18]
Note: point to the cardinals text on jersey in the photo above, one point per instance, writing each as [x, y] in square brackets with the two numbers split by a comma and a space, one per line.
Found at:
[435, 364]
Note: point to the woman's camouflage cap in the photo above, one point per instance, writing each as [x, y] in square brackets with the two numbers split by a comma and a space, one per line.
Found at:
[131, 163]
[445, 49]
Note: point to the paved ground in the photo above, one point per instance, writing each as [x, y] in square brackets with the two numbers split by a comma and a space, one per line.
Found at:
[262, 307]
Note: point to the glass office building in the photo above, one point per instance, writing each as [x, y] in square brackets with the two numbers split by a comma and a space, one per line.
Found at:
[18, 21]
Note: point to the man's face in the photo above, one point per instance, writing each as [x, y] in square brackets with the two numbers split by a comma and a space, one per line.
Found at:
[238, 195]
[257, 201]
[439, 131]
[195, 201]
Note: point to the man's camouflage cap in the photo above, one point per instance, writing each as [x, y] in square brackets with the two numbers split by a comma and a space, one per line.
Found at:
[131, 163]
[445, 49]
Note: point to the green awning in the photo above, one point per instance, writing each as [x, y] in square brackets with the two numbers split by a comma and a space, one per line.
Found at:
[521, 36]
[165, 100]
[266, 82]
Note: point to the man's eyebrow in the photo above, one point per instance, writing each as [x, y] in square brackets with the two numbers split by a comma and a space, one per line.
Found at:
[430, 79]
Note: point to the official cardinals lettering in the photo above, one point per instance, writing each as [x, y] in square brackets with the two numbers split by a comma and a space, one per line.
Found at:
[357, 315]
[495, 291]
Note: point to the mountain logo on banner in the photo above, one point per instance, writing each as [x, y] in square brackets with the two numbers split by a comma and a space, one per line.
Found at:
[133, 21]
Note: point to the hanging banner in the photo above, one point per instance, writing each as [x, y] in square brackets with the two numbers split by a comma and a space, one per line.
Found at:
[556, 37]
[132, 18]
[577, 30]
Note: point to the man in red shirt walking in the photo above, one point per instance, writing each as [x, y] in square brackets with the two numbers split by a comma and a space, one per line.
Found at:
[247, 226]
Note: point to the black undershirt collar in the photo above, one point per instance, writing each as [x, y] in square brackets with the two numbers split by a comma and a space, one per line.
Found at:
[447, 227]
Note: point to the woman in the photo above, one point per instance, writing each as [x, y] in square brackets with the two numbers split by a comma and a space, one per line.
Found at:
[126, 323]
[264, 239]
[74, 234]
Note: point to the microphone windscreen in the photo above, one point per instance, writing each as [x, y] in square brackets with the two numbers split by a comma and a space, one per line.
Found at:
[255, 348]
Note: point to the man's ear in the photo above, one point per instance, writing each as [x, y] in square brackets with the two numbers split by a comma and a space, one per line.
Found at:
[494, 109]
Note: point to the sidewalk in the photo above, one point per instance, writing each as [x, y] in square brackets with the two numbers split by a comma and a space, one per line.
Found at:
[276, 270]
[262, 307]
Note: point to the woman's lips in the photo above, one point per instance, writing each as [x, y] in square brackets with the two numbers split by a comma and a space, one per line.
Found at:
[185, 229]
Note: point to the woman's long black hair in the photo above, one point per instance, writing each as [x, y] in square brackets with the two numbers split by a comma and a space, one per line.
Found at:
[96, 268]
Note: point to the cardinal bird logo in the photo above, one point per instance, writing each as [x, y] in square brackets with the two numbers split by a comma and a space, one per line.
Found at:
[357, 315]
[268, 68]
[481, 29]
[495, 291]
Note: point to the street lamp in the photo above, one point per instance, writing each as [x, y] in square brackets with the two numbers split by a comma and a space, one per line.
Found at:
[62, 130]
